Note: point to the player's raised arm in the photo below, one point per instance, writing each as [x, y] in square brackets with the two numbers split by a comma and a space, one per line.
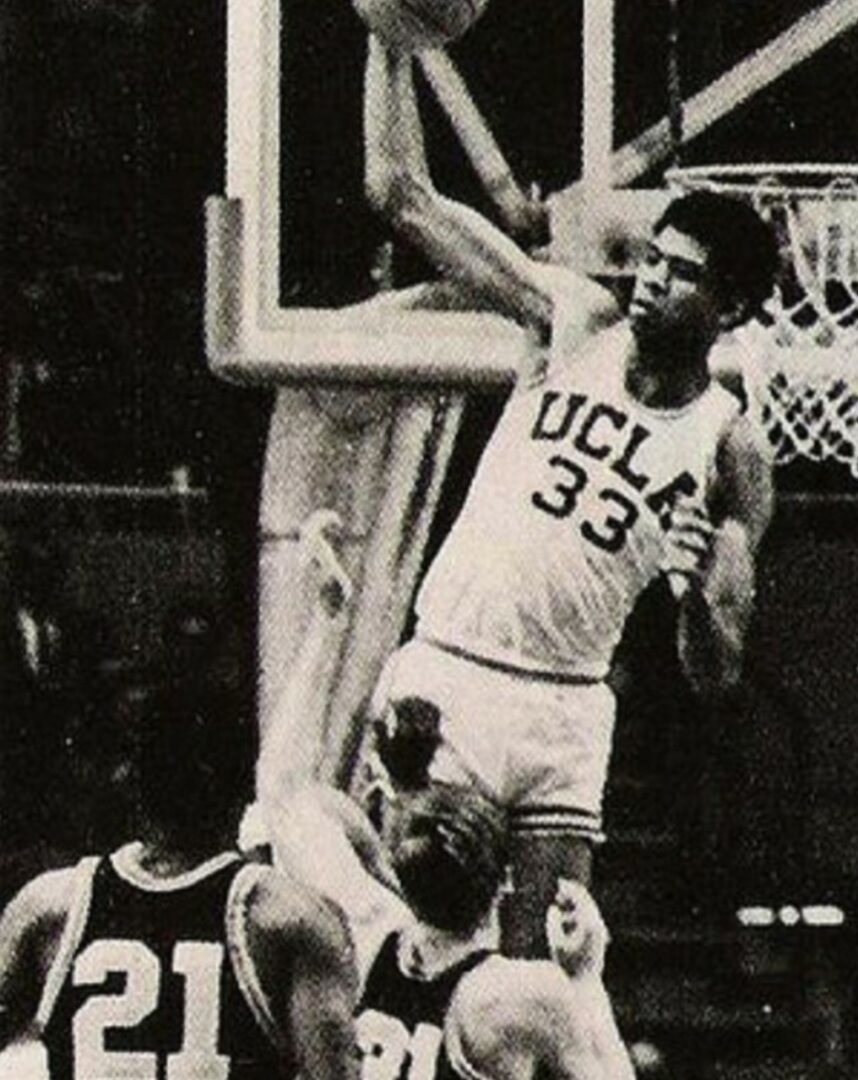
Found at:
[717, 606]
[460, 242]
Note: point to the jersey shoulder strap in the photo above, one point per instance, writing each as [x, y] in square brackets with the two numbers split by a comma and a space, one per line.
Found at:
[246, 975]
[76, 919]
[473, 960]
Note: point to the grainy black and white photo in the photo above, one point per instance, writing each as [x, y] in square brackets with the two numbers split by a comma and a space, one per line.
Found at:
[429, 540]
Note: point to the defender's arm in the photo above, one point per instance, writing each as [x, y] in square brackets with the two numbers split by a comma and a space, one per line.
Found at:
[528, 1018]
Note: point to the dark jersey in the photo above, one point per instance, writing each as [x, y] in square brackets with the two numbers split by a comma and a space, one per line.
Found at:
[400, 1023]
[151, 990]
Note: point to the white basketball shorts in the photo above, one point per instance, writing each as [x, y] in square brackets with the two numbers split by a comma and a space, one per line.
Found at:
[538, 746]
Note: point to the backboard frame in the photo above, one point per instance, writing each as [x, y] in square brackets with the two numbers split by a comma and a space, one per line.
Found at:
[250, 336]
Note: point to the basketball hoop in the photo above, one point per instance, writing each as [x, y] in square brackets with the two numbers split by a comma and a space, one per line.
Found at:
[800, 356]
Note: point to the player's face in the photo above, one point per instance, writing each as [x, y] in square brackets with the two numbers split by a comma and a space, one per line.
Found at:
[674, 292]
[400, 809]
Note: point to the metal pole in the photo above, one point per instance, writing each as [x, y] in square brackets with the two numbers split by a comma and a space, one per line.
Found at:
[675, 110]
[598, 96]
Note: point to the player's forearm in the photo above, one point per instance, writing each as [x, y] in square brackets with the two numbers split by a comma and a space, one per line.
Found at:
[715, 614]
[393, 139]
[521, 214]
[709, 648]
[466, 247]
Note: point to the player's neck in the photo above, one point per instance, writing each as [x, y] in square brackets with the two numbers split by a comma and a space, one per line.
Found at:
[426, 952]
[659, 385]
[162, 856]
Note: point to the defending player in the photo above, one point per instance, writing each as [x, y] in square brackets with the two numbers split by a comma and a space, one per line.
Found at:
[174, 957]
[617, 458]
[441, 1001]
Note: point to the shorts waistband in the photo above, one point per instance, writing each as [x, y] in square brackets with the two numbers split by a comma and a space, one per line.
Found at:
[559, 820]
[511, 669]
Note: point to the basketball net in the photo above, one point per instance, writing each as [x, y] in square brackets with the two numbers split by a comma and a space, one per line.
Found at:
[799, 358]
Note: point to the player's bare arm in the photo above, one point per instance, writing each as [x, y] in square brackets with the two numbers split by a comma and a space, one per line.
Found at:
[717, 559]
[520, 1018]
[359, 831]
[302, 955]
[30, 931]
[459, 241]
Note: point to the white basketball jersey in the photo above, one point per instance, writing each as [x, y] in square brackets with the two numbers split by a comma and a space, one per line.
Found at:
[564, 522]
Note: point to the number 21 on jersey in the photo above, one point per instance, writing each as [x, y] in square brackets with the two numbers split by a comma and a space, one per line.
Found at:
[199, 963]
[391, 1052]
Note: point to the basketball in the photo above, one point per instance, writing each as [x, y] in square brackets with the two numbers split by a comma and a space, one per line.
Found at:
[419, 24]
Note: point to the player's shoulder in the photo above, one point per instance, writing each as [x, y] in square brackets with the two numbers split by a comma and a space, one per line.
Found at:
[507, 1006]
[45, 898]
[503, 995]
[276, 903]
[278, 923]
[35, 919]
[576, 296]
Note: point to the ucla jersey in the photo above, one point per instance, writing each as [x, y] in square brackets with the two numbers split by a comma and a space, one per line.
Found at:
[563, 526]
[149, 984]
[400, 1023]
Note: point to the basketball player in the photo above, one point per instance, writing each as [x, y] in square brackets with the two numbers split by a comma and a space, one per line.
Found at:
[174, 957]
[439, 995]
[617, 458]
